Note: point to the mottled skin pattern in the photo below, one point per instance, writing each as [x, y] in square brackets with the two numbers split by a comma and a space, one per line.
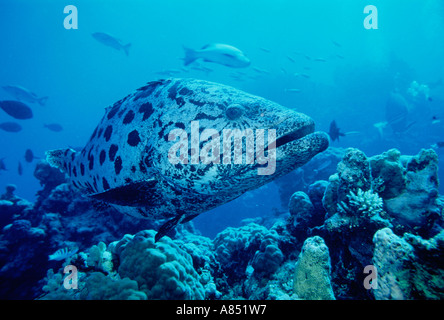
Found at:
[125, 162]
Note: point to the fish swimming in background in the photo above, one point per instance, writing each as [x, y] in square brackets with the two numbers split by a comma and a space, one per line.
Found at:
[293, 90]
[29, 156]
[435, 120]
[223, 54]
[396, 112]
[20, 168]
[335, 132]
[439, 144]
[53, 127]
[265, 49]
[111, 41]
[62, 254]
[337, 44]
[16, 109]
[2, 164]
[127, 161]
[10, 126]
[24, 94]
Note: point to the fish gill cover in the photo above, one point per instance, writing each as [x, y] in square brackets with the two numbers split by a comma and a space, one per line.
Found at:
[221, 150]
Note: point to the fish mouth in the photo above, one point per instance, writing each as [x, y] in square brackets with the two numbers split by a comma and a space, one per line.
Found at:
[295, 134]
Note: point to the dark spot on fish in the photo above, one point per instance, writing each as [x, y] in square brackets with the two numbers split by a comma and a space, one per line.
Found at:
[105, 184]
[112, 152]
[73, 155]
[115, 108]
[179, 166]
[180, 102]
[82, 169]
[172, 91]
[74, 171]
[102, 157]
[118, 165]
[128, 180]
[94, 133]
[204, 90]
[142, 167]
[129, 117]
[147, 90]
[108, 133]
[75, 184]
[197, 103]
[91, 162]
[185, 91]
[180, 125]
[202, 115]
[147, 110]
[133, 169]
[99, 133]
[133, 138]
[147, 160]
[161, 132]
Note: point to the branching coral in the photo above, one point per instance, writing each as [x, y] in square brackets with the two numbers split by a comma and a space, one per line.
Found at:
[365, 203]
[363, 209]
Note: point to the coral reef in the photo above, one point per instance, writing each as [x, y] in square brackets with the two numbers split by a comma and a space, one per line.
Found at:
[346, 212]
[409, 267]
[312, 271]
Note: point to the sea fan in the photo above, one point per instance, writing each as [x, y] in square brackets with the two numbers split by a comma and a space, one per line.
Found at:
[62, 254]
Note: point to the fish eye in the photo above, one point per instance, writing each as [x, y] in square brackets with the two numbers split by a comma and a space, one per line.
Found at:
[234, 111]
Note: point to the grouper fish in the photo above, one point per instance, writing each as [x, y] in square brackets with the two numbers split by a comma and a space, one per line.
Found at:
[127, 162]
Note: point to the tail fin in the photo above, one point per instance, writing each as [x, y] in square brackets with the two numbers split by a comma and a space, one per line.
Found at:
[190, 56]
[60, 158]
[126, 48]
[42, 101]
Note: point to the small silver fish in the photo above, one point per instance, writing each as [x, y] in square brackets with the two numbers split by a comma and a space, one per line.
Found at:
[53, 127]
[24, 94]
[111, 41]
[223, 54]
[293, 90]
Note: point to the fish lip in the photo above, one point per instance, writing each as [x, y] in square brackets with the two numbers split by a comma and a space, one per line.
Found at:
[295, 134]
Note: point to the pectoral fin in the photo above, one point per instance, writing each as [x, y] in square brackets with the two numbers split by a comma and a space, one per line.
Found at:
[135, 194]
[172, 223]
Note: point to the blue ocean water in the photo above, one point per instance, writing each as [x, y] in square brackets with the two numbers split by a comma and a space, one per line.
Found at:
[315, 57]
